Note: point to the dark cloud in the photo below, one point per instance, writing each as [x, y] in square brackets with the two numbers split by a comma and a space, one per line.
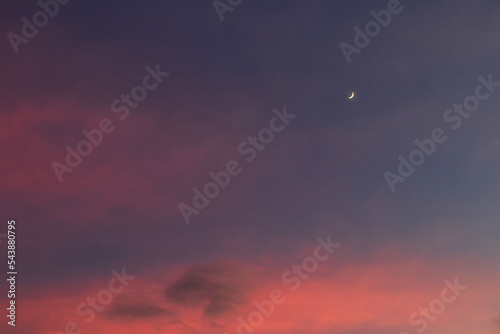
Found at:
[130, 306]
[138, 311]
[220, 288]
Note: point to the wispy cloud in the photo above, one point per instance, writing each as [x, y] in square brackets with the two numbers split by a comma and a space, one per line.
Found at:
[218, 288]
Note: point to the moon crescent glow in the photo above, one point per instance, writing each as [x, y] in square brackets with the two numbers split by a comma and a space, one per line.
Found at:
[350, 97]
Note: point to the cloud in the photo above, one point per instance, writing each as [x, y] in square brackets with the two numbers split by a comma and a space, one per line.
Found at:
[218, 288]
[138, 311]
[138, 306]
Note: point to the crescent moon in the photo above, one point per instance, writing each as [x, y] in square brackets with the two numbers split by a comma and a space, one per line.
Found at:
[351, 97]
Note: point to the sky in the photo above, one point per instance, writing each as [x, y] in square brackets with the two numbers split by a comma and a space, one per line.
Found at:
[193, 167]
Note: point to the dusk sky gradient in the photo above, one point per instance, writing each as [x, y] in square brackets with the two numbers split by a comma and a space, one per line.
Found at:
[323, 175]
